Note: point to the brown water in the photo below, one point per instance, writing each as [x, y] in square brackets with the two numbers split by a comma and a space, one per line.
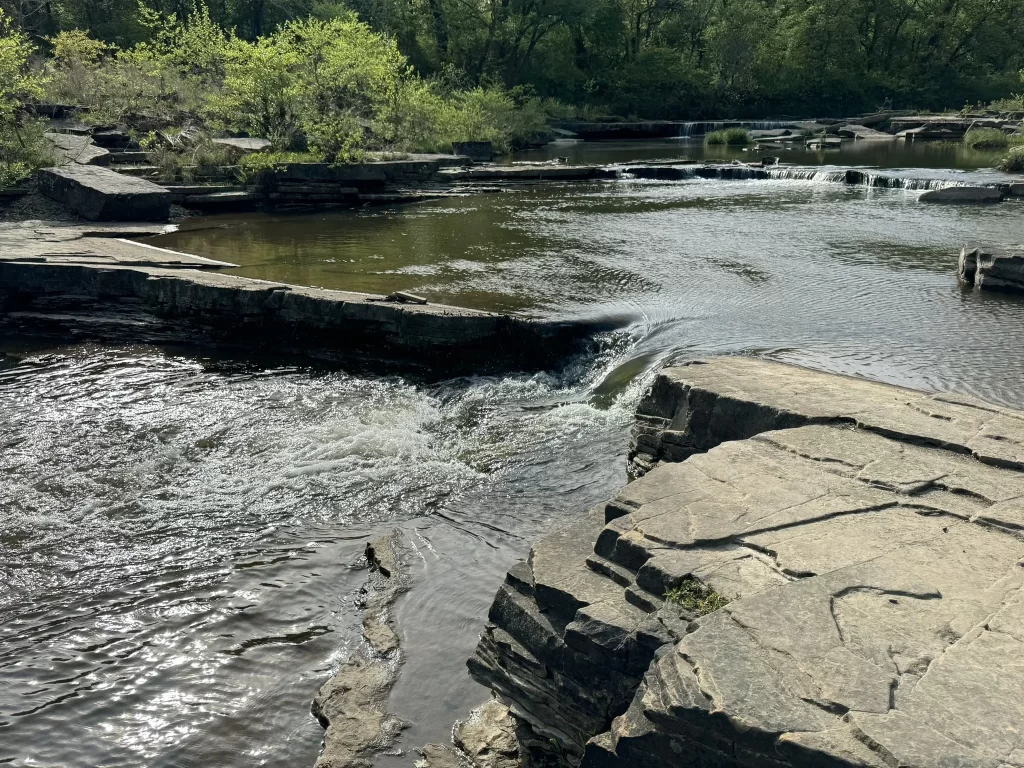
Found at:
[180, 533]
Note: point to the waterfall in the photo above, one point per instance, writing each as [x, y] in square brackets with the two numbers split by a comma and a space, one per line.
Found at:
[848, 176]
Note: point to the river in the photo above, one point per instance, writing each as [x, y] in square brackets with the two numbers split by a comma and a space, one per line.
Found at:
[181, 534]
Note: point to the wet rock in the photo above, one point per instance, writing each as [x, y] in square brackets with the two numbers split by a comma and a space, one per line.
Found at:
[488, 737]
[1016, 189]
[100, 194]
[352, 705]
[440, 756]
[895, 648]
[962, 195]
[991, 272]
[825, 143]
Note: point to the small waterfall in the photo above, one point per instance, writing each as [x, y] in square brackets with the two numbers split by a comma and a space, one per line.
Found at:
[739, 172]
[808, 174]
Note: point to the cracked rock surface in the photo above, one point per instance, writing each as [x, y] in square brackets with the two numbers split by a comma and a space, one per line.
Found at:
[870, 553]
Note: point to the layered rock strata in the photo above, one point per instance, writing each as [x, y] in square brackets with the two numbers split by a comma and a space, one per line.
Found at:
[65, 282]
[1003, 272]
[819, 571]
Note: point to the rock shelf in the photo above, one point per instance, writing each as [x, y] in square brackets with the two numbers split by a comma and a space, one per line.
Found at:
[88, 283]
[862, 545]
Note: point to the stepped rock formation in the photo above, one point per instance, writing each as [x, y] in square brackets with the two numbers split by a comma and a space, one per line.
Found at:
[844, 562]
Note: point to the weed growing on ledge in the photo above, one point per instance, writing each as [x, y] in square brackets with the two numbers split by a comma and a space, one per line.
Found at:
[732, 137]
[696, 598]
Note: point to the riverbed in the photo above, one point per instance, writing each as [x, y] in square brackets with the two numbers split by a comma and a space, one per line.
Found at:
[179, 559]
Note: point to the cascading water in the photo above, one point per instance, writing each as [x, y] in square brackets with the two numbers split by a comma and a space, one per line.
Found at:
[691, 129]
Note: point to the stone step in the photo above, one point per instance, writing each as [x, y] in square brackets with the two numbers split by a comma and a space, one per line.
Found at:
[223, 200]
[129, 157]
[100, 194]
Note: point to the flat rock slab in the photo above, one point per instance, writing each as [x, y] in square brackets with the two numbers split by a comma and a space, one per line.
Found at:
[78, 149]
[695, 407]
[100, 194]
[876, 604]
[868, 574]
[861, 132]
[246, 146]
[962, 195]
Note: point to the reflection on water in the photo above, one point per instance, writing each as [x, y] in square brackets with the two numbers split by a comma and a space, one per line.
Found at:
[177, 556]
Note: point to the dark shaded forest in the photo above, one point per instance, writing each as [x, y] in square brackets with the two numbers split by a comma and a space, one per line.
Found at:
[686, 59]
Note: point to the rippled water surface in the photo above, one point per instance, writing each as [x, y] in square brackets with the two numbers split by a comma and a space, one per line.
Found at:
[180, 536]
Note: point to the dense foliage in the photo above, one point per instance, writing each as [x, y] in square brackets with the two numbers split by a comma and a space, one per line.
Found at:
[21, 144]
[654, 58]
[333, 79]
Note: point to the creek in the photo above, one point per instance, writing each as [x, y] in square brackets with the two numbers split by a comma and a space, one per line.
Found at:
[181, 534]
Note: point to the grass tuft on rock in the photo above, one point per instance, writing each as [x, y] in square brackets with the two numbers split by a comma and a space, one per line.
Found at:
[1013, 162]
[732, 137]
[696, 598]
[986, 138]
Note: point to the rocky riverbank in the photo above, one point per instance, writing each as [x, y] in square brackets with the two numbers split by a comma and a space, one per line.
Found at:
[811, 570]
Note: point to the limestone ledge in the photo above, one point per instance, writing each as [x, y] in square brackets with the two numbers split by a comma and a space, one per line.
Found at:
[87, 283]
[693, 408]
[872, 564]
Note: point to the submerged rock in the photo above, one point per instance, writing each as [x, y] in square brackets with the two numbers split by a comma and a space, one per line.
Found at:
[352, 705]
[962, 195]
[705, 616]
[992, 272]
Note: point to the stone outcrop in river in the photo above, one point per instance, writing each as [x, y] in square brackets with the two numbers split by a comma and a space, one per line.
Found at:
[991, 272]
[814, 571]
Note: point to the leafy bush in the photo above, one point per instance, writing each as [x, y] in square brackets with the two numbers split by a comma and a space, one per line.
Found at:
[986, 138]
[313, 84]
[22, 146]
[425, 119]
[1013, 162]
[733, 137]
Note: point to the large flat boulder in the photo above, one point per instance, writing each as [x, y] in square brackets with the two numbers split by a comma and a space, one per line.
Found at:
[962, 195]
[863, 133]
[100, 194]
[829, 578]
[78, 149]
[693, 408]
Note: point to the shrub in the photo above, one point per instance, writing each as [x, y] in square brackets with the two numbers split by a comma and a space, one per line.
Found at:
[22, 146]
[1013, 162]
[986, 138]
[733, 137]
[426, 118]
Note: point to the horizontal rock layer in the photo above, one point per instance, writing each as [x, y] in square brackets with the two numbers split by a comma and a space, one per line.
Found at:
[118, 291]
[870, 569]
[99, 194]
